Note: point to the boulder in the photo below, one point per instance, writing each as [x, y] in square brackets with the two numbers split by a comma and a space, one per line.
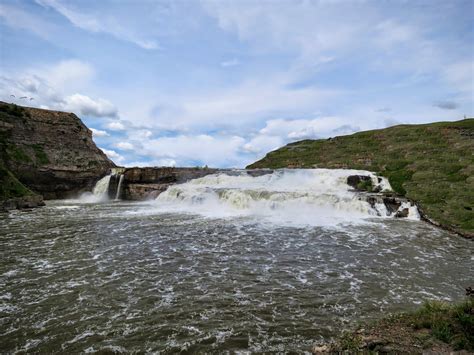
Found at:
[355, 180]
[402, 213]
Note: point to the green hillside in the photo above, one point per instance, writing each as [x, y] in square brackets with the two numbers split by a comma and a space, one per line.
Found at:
[10, 187]
[432, 164]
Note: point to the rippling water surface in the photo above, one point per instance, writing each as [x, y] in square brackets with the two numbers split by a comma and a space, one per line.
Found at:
[118, 276]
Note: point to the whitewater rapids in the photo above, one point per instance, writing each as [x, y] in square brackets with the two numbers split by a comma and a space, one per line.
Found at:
[288, 196]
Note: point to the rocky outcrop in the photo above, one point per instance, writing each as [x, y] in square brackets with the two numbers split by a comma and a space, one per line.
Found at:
[356, 181]
[50, 152]
[29, 201]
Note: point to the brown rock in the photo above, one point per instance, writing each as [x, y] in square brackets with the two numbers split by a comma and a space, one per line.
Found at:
[403, 213]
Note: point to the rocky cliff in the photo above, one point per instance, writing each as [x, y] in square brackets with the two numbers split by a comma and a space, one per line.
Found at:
[48, 153]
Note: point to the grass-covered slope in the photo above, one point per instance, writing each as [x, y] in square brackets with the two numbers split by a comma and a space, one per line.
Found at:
[432, 164]
[10, 187]
[436, 327]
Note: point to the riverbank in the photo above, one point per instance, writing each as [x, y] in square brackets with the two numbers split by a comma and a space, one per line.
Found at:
[436, 327]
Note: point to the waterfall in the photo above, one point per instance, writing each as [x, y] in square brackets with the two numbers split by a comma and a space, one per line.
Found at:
[101, 188]
[119, 188]
[307, 196]
[109, 187]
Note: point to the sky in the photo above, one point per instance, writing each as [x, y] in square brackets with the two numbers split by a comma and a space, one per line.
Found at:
[221, 83]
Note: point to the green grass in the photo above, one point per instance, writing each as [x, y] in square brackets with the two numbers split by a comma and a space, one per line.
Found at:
[13, 110]
[40, 154]
[17, 154]
[432, 324]
[451, 324]
[432, 164]
[365, 185]
[10, 187]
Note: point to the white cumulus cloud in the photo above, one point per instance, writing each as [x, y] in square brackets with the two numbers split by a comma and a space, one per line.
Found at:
[113, 155]
[125, 146]
[99, 133]
[87, 106]
[115, 126]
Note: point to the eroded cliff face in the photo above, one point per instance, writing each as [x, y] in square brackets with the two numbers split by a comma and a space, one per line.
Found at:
[50, 152]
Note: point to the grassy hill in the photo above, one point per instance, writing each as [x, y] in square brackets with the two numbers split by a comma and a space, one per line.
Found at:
[432, 164]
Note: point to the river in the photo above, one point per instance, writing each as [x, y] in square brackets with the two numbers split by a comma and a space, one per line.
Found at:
[206, 268]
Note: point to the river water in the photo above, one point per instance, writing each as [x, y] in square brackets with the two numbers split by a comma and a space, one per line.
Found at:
[190, 273]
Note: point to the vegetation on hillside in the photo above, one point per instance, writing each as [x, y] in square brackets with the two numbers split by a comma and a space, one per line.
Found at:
[437, 326]
[10, 187]
[432, 164]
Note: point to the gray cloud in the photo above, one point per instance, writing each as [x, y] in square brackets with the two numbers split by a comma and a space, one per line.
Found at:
[446, 105]
[383, 109]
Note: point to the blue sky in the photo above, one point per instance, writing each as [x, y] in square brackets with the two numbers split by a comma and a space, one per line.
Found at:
[220, 83]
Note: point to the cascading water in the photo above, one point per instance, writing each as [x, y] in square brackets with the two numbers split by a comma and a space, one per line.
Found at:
[306, 196]
[101, 188]
[119, 188]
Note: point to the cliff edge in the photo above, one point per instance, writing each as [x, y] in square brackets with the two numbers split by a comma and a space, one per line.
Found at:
[47, 153]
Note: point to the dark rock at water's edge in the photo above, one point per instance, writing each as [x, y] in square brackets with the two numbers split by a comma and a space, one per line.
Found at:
[356, 180]
[47, 152]
[29, 201]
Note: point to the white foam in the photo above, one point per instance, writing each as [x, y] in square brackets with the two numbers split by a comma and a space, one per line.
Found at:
[286, 196]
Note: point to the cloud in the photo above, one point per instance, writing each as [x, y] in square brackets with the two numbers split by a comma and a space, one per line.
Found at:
[309, 28]
[303, 128]
[69, 74]
[263, 144]
[446, 105]
[98, 132]
[113, 155]
[189, 150]
[55, 86]
[230, 63]
[239, 106]
[147, 163]
[89, 107]
[125, 146]
[96, 21]
[115, 126]
[460, 76]
[17, 18]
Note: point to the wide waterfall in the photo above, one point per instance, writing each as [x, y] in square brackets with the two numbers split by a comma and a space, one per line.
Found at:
[296, 196]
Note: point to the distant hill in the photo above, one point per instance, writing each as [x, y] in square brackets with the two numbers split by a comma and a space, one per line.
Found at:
[432, 164]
